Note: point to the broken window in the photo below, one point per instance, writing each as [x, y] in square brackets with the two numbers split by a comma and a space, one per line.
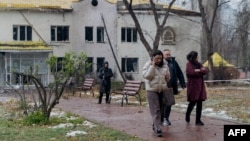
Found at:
[22, 33]
[59, 33]
[128, 34]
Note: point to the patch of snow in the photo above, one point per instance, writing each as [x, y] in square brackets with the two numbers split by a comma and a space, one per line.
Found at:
[89, 124]
[57, 113]
[74, 133]
[221, 114]
[181, 105]
[71, 118]
[63, 125]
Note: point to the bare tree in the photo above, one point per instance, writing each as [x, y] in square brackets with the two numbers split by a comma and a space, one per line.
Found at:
[243, 27]
[73, 65]
[208, 16]
[159, 25]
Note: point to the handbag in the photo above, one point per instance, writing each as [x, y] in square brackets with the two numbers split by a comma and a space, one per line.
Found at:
[168, 97]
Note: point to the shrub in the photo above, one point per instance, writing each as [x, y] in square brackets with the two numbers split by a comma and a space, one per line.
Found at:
[36, 117]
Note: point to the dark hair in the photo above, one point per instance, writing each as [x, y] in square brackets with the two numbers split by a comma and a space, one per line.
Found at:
[157, 52]
[192, 56]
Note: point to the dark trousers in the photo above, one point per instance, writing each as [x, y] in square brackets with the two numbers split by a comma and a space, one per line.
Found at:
[167, 110]
[107, 92]
[198, 109]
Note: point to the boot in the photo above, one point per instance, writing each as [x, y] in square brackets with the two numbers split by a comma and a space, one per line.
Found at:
[198, 121]
[189, 110]
[100, 98]
[107, 98]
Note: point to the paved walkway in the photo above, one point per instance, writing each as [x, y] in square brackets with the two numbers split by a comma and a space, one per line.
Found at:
[136, 120]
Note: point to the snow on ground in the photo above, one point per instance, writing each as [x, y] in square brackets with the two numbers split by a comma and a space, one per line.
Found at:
[62, 125]
[89, 124]
[58, 113]
[74, 133]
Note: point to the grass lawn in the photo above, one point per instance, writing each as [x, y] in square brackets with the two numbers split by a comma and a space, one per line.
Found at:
[61, 128]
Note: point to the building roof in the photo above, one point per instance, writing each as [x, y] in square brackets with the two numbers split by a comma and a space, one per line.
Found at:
[218, 61]
[34, 4]
[24, 46]
[144, 5]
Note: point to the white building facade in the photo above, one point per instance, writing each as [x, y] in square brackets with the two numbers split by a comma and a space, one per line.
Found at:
[32, 34]
[184, 27]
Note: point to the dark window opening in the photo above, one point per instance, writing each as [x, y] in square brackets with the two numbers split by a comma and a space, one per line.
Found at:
[22, 33]
[89, 67]
[128, 35]
[100, 34]
[129, 64]
[89, 33]
[59, 33]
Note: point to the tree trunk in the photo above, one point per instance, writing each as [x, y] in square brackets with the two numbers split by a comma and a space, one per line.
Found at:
[110, 44]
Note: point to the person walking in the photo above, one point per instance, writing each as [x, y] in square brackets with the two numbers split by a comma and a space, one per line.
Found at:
[175, 75]
[105, 75]
[196, 92]
[156, 75]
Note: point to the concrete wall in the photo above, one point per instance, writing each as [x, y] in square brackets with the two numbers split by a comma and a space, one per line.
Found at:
[85, 14]
[41, 21]
[187, 38]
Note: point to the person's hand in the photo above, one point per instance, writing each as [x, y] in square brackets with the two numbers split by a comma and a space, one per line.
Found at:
[203, 68]
[197, 70]
[153, 61]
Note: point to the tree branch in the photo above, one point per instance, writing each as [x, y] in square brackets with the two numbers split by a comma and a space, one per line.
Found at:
[137, 25]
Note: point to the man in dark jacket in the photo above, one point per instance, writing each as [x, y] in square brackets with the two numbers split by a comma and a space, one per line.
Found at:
[175, 75]
[105, 75]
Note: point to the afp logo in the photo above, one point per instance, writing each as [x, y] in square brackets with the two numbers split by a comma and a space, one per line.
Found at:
[236, 132]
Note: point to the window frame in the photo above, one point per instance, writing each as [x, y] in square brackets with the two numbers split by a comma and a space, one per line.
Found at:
[128, 35]
[89, 34]
[99, 63]
[90, 62]
[130, 67]
[100, 34]
[59, 33]
[22, 33]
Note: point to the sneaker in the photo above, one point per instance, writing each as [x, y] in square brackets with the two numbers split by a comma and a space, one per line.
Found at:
[158, 133]
[166, 122]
